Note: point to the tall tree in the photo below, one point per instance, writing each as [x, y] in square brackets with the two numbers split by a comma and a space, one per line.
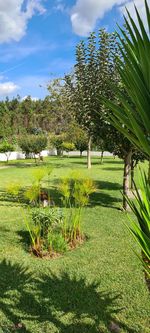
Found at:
[93, 74]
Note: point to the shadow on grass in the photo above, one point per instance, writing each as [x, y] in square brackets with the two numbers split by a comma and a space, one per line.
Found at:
[64, 303]
[113, 169]
[100, 197]
[24, 239]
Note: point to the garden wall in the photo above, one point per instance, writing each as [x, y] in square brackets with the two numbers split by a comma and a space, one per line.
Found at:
[19, 155]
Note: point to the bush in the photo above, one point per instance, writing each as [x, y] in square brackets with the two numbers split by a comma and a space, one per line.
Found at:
[75, 193]
[33, 144]
[57, 243]
[47, 231]
[68, 146]
[6, 148]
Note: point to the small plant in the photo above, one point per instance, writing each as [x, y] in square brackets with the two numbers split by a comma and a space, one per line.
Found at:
[56, 243]
[75, 193]
[14, 190]
[45, 231]
[34, 194]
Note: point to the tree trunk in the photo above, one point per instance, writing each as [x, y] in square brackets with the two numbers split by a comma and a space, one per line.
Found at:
[80, 153]
[132, 175]
[89, 154]
[102, 155]
[59, 151]
[127, 168]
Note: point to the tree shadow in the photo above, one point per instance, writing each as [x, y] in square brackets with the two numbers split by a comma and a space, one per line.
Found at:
[24, 239]
[113, 169]
[114, 161]
[66, 302]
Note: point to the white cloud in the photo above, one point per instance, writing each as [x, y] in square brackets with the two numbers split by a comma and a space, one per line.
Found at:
[14, 17]
[85, 13]
[7, 88]
[33, 98]
[130, 6]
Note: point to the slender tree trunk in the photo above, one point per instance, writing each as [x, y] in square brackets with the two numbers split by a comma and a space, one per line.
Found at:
[102, 155]
[89, 154]
[59, 151]
[80, 153]
[127, 168]
[132, 175]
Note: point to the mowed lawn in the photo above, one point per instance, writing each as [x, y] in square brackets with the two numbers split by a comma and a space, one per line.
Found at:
[98, 287]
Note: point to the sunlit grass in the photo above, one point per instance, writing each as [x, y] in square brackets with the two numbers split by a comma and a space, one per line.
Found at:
[87, 288]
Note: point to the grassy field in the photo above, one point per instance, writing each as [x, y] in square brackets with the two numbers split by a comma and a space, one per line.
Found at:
[99, 287]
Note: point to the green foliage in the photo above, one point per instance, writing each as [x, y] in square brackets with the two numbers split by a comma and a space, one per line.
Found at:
[47, 231]
[68, 146]
[6, 148]
[57, 141]
[56, 243]
[140, 206]
[134, 69]
[33, 144]
[75, 193]
[132, 116]
[13, 189]
[31, 194]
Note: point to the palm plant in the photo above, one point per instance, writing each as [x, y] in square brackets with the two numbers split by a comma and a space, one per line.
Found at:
[141, 209]
[132, 116]
[134, 71]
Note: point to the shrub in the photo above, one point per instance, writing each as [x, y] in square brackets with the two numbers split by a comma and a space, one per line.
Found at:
[46, 230]
[6, 148]
[75, 193]
[68, 146]
[56, 243]
[33, 144]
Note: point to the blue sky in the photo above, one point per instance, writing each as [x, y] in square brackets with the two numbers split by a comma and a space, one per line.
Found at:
[38, 38]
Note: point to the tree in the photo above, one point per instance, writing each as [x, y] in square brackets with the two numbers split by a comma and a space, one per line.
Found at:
[33, 144]
[77, 136]
[68, 146]
[6, 148]
[57, 141]
[60, 113]
[94, 72]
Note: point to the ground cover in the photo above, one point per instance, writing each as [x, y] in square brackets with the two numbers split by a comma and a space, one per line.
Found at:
[98, 287]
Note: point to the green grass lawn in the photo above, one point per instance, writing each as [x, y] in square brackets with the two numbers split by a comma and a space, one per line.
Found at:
[86, 290]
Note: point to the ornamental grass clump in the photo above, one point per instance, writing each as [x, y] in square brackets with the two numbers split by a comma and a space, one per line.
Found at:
[75, 193]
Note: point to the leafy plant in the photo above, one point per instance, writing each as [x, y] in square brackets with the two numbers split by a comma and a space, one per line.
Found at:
[6, 148]
[33, 144]
[134, 69]
[140, 206]
[56, 243]
[75, 193]
[68, 146]
[33, 192]
[45, 230]
[132, 117]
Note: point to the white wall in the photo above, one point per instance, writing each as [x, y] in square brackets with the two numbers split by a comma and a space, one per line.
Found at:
[19, 155]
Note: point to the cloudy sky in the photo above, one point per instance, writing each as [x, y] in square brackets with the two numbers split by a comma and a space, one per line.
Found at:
[38, 38]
